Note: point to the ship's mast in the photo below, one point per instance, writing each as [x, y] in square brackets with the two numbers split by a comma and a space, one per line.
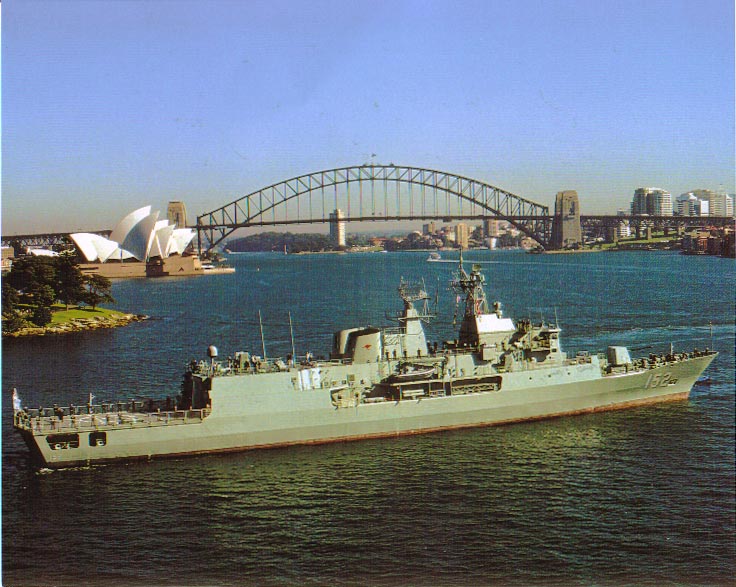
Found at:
[471, 288]
[410, 340]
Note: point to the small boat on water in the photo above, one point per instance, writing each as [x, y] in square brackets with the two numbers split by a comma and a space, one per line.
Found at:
[217, 268]
[434, 256]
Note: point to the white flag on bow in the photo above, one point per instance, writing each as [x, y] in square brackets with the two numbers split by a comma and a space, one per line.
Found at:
[16, 401]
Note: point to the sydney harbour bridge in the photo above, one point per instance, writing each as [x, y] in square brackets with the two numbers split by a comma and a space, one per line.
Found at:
[372, 193]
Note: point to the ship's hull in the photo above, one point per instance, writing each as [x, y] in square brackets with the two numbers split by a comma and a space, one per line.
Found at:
[272, 412]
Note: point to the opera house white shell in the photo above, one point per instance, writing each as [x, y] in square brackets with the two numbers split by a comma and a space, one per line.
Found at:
[140, 235]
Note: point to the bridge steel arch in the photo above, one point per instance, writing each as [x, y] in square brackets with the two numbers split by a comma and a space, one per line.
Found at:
[270, 205]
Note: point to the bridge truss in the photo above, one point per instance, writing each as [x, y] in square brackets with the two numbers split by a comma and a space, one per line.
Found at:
[51, 240]
[374, 193]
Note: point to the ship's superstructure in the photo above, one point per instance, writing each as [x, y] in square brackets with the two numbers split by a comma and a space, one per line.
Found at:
[377, 382]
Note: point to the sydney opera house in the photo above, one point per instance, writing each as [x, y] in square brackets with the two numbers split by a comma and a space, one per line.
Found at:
[141, 245]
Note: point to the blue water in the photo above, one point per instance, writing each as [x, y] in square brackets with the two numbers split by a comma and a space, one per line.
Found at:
[638, 497]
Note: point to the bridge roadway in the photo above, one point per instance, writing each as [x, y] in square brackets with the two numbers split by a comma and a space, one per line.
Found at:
[46, 240]
[593, 225]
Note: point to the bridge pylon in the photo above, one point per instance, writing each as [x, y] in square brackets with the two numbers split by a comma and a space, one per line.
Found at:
[566, 230]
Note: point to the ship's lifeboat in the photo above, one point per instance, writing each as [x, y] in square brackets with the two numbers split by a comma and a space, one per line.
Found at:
[412, 373]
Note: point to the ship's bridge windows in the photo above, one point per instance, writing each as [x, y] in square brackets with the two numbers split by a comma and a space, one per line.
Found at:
[62, 441]
[97, 438]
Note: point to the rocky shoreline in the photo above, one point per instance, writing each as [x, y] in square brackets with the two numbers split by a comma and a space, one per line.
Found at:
[79, 325]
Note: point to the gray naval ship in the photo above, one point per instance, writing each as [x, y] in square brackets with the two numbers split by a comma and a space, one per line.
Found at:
[378, 382]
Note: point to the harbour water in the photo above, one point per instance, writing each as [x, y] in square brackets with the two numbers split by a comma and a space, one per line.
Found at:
[638, 497]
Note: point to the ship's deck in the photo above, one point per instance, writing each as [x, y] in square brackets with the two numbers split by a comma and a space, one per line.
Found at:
[38, 423]
[137, 414]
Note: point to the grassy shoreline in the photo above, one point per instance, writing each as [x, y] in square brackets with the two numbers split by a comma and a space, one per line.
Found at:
[77, 319]
[61, 315]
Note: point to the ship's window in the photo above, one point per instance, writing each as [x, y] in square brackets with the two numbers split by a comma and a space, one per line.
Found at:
[63, 441]
[97, 438]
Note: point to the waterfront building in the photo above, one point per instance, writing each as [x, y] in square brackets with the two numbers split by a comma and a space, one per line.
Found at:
[429, 228]
[623, 229]
[337, 228]
[7, 258]
[651, 202]
[461, 235]
[140, 236]
[177, 214]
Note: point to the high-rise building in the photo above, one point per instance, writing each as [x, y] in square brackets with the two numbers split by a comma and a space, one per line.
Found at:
[337, 228]
[720, 203]
[661, 203]
[651, 202]
[685, 204]
[690, 205]
[491, 228]
[429, 228]
[177, 214]
[639, 203]
[461, 235]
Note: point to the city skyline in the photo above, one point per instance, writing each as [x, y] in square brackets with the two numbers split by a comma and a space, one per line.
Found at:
[110, 106]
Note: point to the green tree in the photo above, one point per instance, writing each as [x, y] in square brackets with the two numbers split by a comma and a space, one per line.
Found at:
[69, 280]
[41, 295]
[275, 241]
[30, 282]
[28, 274]
[10, 298]
[12, 318]
[41, 315]
[98, 290]
[12, 322]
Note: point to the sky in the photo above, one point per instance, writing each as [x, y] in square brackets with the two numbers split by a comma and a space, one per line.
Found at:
[108, 106]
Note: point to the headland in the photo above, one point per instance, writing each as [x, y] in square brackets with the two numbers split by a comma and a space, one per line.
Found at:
[78, 320]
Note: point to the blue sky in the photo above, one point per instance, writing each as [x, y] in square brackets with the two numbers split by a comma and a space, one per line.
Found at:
[109, 106]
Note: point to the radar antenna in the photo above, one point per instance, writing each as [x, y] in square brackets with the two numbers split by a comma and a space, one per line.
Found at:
[410, 293]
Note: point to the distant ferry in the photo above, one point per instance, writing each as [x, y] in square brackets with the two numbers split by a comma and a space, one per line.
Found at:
[210, 268]
[376, 383]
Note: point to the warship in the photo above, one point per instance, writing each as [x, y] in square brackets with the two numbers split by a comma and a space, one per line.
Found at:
[377, 382]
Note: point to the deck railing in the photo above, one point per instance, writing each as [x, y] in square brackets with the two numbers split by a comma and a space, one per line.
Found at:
[77, 422]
